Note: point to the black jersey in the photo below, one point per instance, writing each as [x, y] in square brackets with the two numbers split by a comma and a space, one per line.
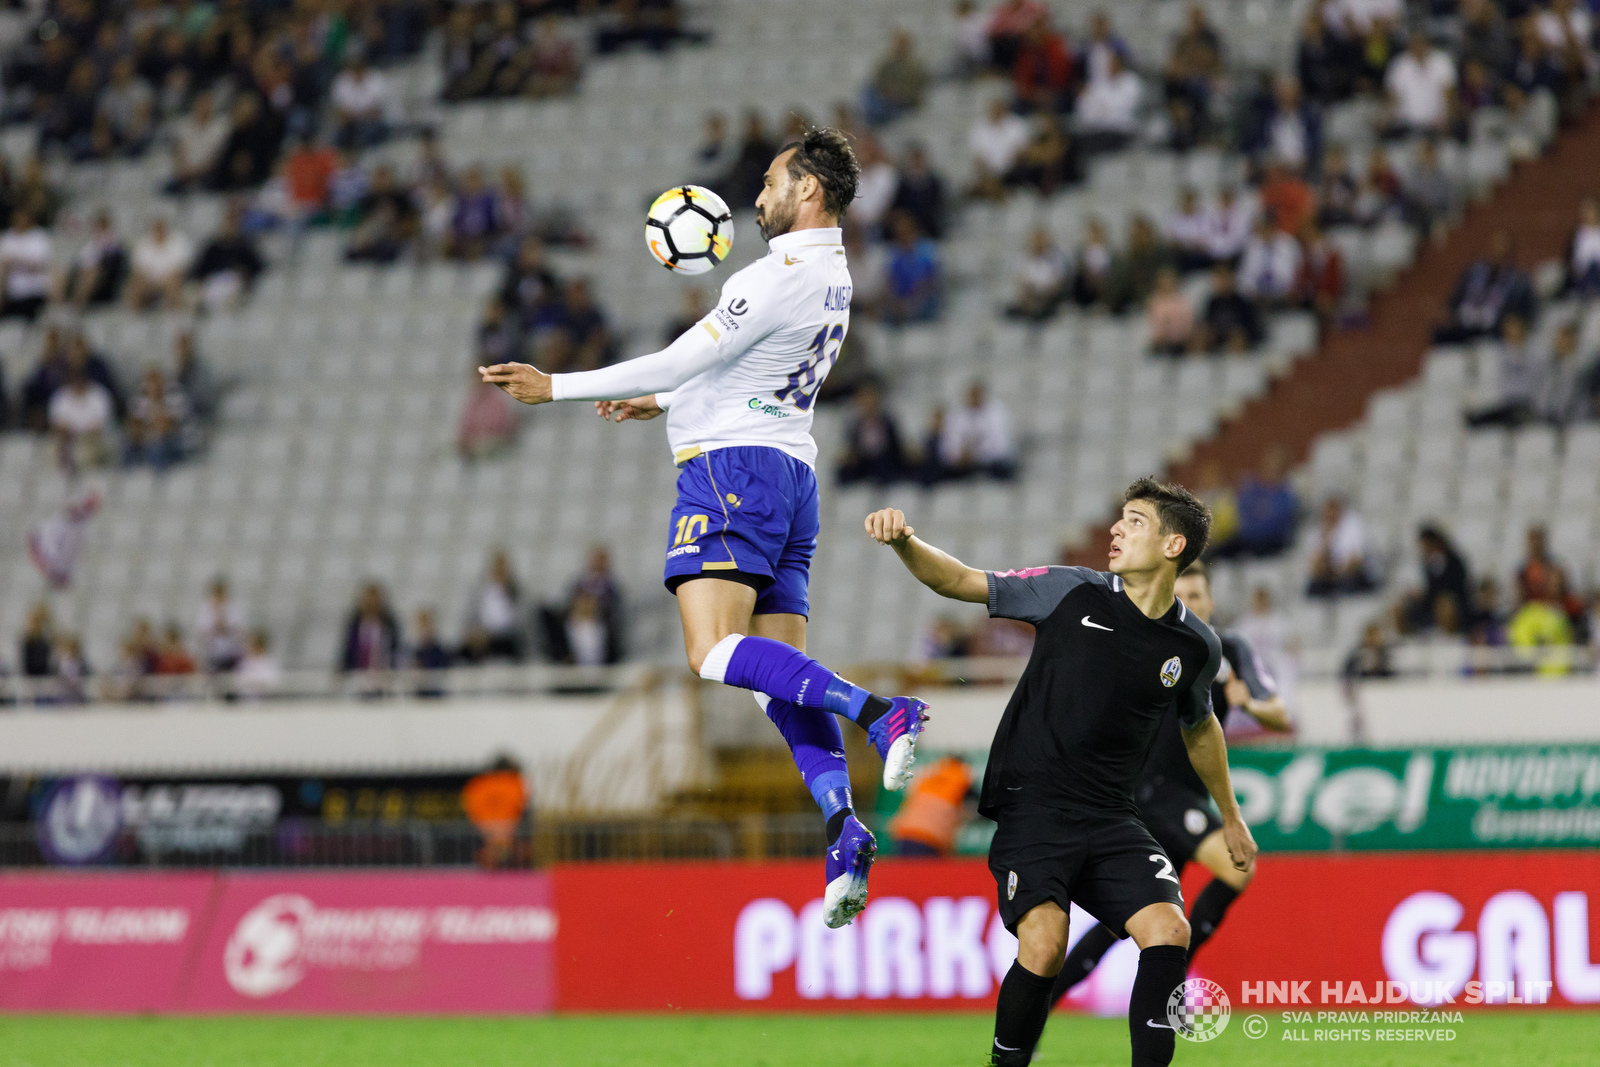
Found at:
[1169, 756]
[1077, 732]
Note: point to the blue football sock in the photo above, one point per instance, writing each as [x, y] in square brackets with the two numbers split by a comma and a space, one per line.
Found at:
[786, 673]
[818, 751]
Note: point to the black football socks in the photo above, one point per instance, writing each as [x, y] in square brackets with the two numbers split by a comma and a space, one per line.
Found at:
[1020, 1015]
[1162, 969]
[1083, 958]
[1206, 915]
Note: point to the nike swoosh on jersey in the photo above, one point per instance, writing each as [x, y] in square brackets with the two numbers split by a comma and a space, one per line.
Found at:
[1096, 625]
[1158, 1026]
[787, 262]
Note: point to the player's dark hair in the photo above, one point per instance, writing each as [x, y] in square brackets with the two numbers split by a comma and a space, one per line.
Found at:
[826, 154]
[1180, 512]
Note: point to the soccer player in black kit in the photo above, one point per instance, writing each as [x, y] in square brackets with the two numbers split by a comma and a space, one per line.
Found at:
[1114, 654]
[1172, 798]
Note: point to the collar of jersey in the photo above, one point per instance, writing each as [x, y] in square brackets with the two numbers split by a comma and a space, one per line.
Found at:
[824, 235]
[1176, 613]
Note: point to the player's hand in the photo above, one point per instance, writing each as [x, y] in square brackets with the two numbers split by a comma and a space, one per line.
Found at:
[1241, 844]
[520, 382]
[889, 527]
[640, 408]
[1238, 692]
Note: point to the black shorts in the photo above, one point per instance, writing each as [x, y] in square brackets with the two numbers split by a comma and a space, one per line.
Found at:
[1177, 817]
[1108, 865]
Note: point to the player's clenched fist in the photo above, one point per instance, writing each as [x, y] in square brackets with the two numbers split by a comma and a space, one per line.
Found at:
[889, 527]
[520, 382]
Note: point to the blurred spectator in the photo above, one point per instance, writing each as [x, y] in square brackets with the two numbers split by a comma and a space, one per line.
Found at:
[1105, 56]
[1322, 77]
[307, 173]
[25, 267]
[1490, 290]
[1091, 272]
[58, 356]
[913, 278]
[586, 632]
[1420, 83]
[1268, 510]
[1534, 572]
[1133, 273]
[897, 84]
[155, 425]
[1321, 284]
[1231, 322]
[72, 670]
[1219, 496]
[876, 188]
[934, 810]
[1049, 160]
[995, 142]
[1339, 190]
[1185, 232]
[920, 192]
[1270, 266]
[1041, 279]
[1042, 74]
[80, 420]
[693, 309]
[872, 450]
[1009, 23]
[943, 639]
[1285, 195]
[488, 425]
[1484, 35]
[1372, 658]
[652, 23]
[1170, 315]
[1431, 196]
[228, 264]
[475, 217]
[1288, 130]
[427, 651]
[1583, 256]
[360, 97]
[495, 610]
[742, 183]
[192, 376]
[255, 134]
[171, 656]
[978, 438]
[197, 142]
[1517, 379]
[1342, 561]
[549, 66]
[1108, 106]
[971, 39]
[1381, 195]
[36, 654]
[95, 275]
[1444, 577]
[161, 260]
[496, 802]
[1194, 69]
[598, 582]
[56, 542]
[715, 153]
[257, 673]
[1271, 634]
[385, 220]
[1541, 621]
[125, 110]
[372, 634]
[585, 325]
[219, 626]
[1567, 383]
[1228, 225]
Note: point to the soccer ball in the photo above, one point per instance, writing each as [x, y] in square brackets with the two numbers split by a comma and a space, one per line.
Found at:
[689, 229]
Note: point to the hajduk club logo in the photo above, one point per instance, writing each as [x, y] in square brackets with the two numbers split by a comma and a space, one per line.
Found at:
[1199, 1009]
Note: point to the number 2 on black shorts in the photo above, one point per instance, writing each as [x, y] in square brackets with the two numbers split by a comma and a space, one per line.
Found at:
[1166, 868]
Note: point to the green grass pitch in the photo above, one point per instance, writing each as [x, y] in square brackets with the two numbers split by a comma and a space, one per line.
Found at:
[1542, 1038]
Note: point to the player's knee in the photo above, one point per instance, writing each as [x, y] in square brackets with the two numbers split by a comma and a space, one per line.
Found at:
[1173, 931]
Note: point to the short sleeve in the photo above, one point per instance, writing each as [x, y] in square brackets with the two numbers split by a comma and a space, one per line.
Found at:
[749, 310]
[1030, 595]
[1194, 706]
[1251, 671]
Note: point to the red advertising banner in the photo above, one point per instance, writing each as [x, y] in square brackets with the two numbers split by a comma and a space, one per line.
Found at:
[1465, 929]
[385, 942]
[417, 942]
[100, 943]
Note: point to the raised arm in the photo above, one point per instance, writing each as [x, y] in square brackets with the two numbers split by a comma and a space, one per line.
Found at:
[695, 352]
[937, 570]
[1253, 688]
[1208, 753]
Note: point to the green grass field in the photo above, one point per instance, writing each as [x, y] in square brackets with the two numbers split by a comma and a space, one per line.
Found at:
[1543, 1039]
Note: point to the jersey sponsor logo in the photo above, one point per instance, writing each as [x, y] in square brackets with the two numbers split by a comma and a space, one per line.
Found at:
[787, 262]
[728, 318]
[738, 307]
[756, 404]
[1171, 671]
[686, 550]
[837, 298]
[1097, 626]
[1011, 886]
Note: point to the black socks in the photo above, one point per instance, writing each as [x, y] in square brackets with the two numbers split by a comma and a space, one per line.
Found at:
[1083, 958]
[1020, 1015]
[1209, 908]
[874, 709]
[836, 824]
[1162, 969]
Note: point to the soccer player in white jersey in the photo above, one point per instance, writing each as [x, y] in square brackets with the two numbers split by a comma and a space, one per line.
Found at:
[738, 389]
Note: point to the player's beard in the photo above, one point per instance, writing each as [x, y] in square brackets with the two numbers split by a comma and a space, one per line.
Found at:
[777, 220]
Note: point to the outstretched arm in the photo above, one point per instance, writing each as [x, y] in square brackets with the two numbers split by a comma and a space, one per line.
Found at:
[937, 570]
[1209, 755]
[693, 353]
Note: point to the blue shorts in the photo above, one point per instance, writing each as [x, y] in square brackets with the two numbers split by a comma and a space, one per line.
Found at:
[746, 514]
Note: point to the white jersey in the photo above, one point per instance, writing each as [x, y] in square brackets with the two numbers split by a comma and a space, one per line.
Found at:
[747, 373]
[778, 329]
